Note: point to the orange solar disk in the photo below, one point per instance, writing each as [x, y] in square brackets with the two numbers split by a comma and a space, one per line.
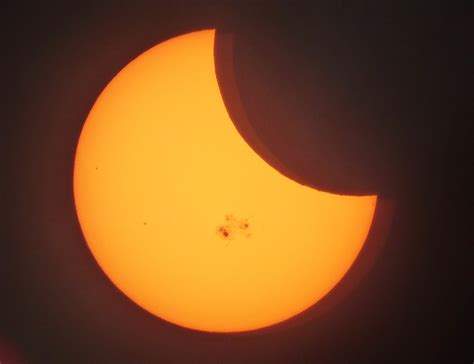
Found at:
[186, 219]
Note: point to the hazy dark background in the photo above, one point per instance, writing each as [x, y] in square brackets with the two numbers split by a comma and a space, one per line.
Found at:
[356, 98]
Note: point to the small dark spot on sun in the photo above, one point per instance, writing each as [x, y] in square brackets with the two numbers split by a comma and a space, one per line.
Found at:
[96, 168]
[224, 231]
[234, 227]
[145, 223]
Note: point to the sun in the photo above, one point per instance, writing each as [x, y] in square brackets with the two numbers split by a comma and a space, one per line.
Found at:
[186, 219]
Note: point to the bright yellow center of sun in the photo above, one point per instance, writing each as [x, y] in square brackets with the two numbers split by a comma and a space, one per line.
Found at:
[186, 219]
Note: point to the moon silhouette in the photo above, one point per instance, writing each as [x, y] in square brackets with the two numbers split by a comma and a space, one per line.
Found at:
[186, 219]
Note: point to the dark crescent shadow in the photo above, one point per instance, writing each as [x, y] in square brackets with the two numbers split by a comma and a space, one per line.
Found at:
[333, 169]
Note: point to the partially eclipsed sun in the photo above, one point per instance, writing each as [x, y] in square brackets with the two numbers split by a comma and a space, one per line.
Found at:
[186, 219]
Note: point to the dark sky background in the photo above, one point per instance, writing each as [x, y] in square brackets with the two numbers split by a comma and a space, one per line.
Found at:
[352, 97]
